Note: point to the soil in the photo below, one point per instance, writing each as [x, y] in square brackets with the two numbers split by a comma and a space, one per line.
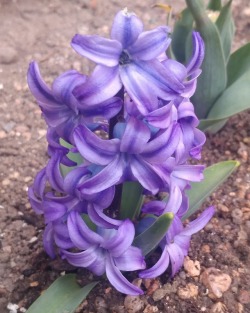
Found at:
[41, 31]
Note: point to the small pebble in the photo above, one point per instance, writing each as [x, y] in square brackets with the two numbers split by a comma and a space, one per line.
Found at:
[6, 182]
[244, 296]
[223, 208]
[8, 55]
[216, 281]
[187, 292]
[219, 307]
[133, 304]
[12, 307]
[237, 216]
[193, 268]
[159, 294]
[33, 239]
[34, 284]
[150, 309]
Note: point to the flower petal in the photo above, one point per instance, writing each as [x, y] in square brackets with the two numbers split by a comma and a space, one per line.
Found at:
[163, 146]
[100, 219]
[122, 240]
[98, 267]
[40, 182]
[93, 148]
[150, 44]
[176, 257]
[198, 53]
[81, 259]
[103, 84]
[80, 234]
[53, 171]
[63, 86]
[105, 109]
[98, 49]
[199, 140]
[139, 89]
[110, 175]
[189, 172]
[175, 69]
[154, 207]
[200, 222]
[136, 135]
[48, 240]
[130, 260]
[38, 87]
[162, 117]
[61, 236]
[36, 203]
[159, 268]
[74, 177]
[53, 210]
[145, 174]
[126, 28]
[118, 280]
[174, 201]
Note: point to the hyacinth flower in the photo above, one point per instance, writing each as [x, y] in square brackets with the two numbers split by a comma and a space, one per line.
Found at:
[61, 110]
[134, 129]
[105, 251]
[175, 245]
[128, 59]
[56, 205]
[129, 156]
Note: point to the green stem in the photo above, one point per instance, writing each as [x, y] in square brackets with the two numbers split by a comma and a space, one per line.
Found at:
[116, 203]
[198, 11]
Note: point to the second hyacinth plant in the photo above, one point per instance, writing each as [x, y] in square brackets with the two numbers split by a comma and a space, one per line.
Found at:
[118, 184]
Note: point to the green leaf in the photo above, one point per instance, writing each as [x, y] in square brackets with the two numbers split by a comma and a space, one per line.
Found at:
[225, 25]
[150, 238]
[238, 64]
[212, 81]
[214, 5]
[182, 29]
[131, 200]
[212, 125]
[63, 296]
[235, 99]
[214, 176]
[75, 157]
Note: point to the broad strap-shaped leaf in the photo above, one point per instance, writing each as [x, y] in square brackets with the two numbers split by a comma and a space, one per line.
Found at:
[64, 295]
[214, 5]
[212, 125]
[131, 200]
[235, 99]
[150, 238]
[225, 25]
[182, 29]
[214, 176]
[212, 81]
[238, 64]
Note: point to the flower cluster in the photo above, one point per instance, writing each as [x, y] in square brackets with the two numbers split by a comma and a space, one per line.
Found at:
[131, 120]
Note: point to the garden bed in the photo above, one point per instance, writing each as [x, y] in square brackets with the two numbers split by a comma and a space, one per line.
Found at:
[41, 31]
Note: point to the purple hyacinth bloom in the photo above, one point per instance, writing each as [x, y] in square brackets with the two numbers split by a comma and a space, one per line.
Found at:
[107, 251]
[132, 155]
[176, 243]
[61, 110]
[57, 204]
[129, 59]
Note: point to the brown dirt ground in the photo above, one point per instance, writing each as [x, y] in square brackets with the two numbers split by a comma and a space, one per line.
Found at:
[41, 31]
